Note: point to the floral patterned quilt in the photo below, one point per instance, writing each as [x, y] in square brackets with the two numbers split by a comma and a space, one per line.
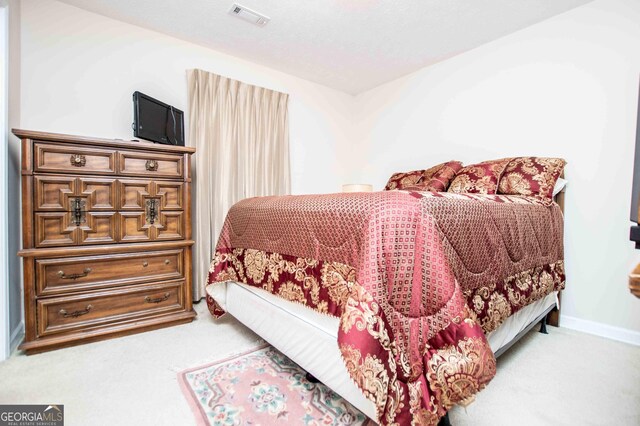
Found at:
[416, 279]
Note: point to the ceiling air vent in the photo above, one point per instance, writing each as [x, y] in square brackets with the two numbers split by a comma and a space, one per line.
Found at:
[249, 15]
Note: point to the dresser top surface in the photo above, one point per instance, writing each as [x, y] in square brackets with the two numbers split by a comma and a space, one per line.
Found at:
[109, 143]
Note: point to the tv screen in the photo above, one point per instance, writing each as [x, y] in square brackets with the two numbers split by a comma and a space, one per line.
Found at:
[156, 121]
[635, 192]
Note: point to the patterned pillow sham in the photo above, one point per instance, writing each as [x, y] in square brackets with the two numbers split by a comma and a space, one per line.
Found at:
[481, 178]
[440, 180]
[532, 176]
[435, 178]
[403, 179]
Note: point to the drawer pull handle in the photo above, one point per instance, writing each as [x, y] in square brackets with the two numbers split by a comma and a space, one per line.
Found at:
[145, 264]
[156, 300]
[77, 211]
[78, 160]
[84, 273]
[152, 210]
[166, 261]
[75, 314]
[151, 165]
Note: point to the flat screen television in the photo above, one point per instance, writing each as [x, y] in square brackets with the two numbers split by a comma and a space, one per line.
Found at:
[156, 121]
[635, 192]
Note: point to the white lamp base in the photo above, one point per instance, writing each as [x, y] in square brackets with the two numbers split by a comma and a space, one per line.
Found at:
[357, 187]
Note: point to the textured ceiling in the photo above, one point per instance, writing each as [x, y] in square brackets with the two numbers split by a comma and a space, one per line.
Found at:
[350, 45]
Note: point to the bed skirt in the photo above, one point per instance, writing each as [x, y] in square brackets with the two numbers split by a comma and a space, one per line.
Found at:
[290, 327]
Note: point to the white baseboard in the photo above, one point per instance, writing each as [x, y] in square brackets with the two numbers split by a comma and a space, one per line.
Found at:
[603, 330]
[16, 337]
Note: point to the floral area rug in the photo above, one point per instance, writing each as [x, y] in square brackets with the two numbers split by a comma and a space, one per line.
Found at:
[263, 387]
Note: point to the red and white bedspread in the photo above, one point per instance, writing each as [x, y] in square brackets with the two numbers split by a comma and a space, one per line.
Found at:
[416, 279]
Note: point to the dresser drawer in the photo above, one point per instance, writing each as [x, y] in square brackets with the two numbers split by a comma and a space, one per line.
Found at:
[55, 315]
[135, 192]
[150, 164]
[73, 159]
[135, 227]
[58, 192]
[74, 274]
[56, 229]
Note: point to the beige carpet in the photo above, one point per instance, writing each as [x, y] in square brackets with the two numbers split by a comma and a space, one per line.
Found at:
[564, 378]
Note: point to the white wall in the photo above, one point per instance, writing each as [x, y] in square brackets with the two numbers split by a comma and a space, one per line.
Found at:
[4, 139]
[566, 87]
[79, 70]
[14, 212]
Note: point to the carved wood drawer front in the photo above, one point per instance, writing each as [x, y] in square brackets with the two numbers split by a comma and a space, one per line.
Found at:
[84, 311]
[71, 274]
[171, 194]
[135, 192]
[135, 226]
[99, 228]
[55, 229]
[171, 225]
[99, 193]
[53, 193]
[150, 164]
[73, 159]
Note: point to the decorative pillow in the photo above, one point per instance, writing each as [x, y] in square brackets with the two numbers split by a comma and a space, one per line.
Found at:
[533, 176]
[435, 178]
[481, 178]
[440, 180]
[400, 180]
[428, 174]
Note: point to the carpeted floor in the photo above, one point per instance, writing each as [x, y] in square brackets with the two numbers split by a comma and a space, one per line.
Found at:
[564, 378]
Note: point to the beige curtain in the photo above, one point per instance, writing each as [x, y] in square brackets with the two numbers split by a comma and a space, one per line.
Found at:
[241, 136]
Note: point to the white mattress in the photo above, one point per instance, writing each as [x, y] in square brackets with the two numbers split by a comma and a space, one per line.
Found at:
[310, 338]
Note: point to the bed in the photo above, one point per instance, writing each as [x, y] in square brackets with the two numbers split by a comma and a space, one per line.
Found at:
[399, 301]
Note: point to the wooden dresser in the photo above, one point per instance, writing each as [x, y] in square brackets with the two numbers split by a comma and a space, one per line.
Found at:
[106, 238]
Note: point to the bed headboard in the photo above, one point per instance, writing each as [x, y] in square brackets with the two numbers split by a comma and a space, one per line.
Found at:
[559, 198]
[553, 318]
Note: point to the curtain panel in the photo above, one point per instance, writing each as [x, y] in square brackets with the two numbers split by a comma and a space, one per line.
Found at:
[241, 136]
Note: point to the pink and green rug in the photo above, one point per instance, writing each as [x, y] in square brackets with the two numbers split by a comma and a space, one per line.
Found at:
[263, 387]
